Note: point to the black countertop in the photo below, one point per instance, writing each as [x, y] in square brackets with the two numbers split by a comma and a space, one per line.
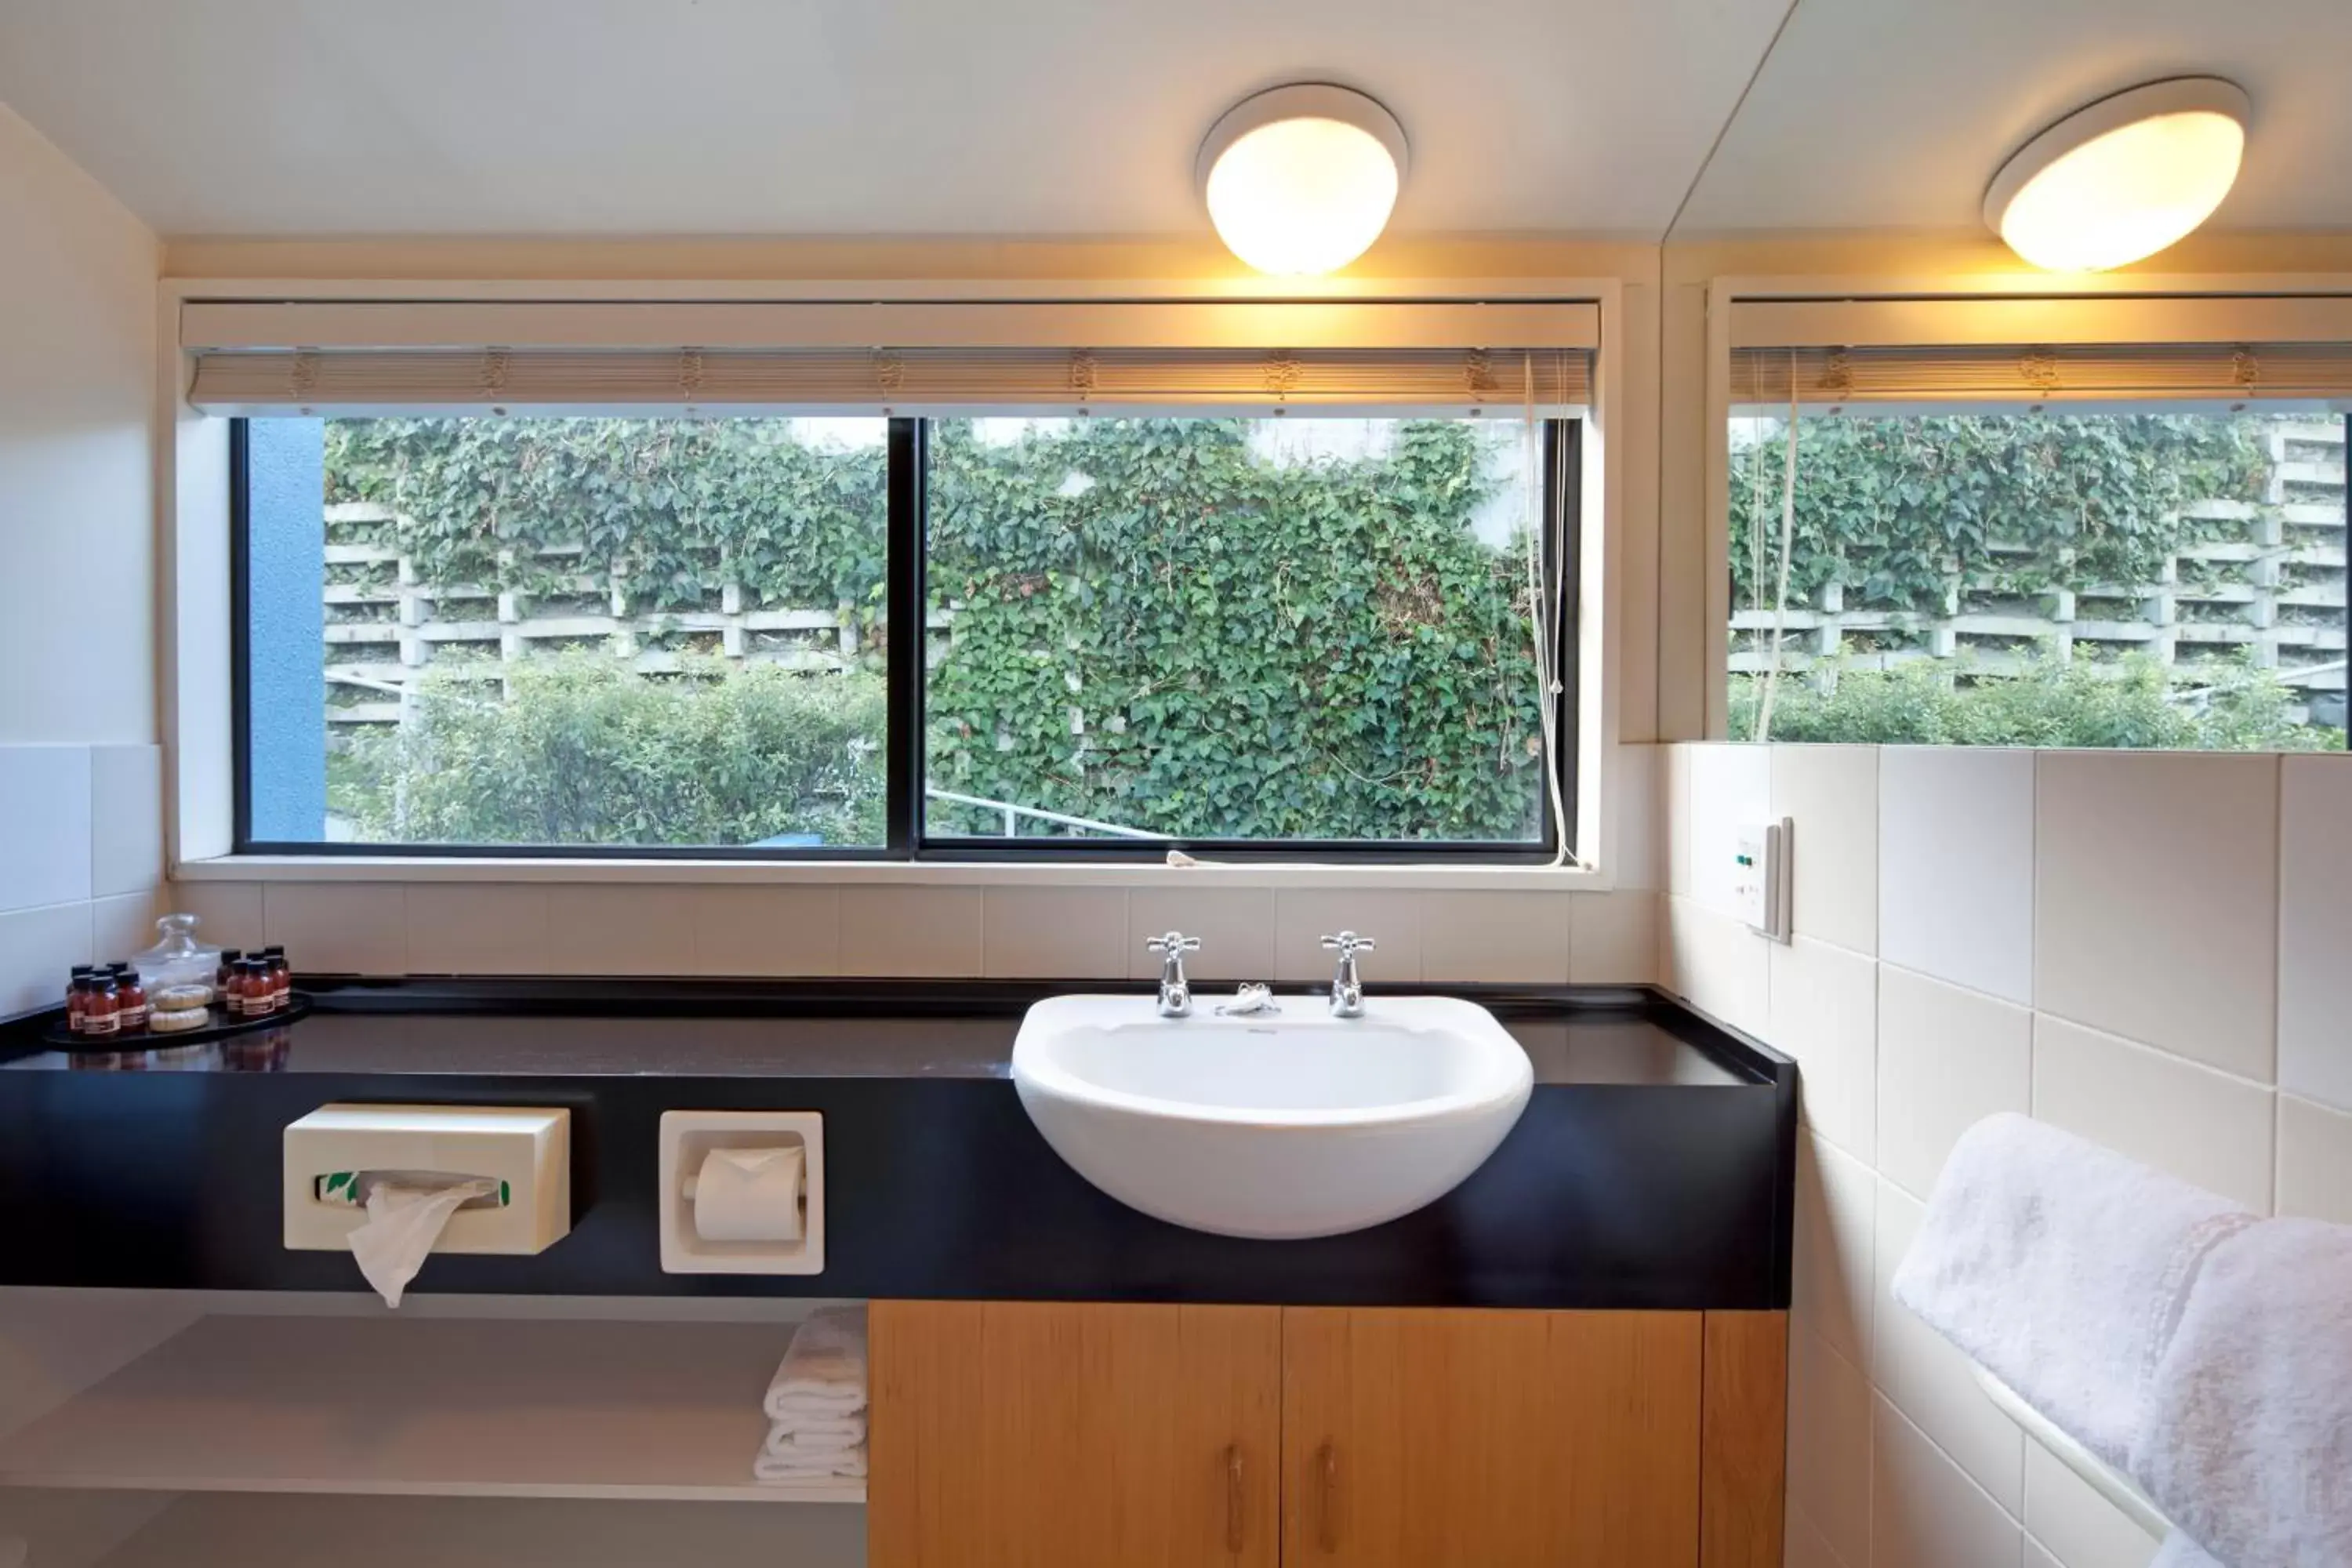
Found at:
[1602, 1047]
[1652, 1168]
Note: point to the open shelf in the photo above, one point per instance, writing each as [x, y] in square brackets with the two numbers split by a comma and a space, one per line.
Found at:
[505, 1408]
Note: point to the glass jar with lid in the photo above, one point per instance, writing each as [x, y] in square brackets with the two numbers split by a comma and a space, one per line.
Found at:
[179, 959]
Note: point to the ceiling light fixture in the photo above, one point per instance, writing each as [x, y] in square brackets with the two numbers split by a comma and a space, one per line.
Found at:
[1301, 179]
[2121, 178]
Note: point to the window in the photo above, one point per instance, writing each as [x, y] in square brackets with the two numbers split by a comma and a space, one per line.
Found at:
[1237, 633]
[2132, 565]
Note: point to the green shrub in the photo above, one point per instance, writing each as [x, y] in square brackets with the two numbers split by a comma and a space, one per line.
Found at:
[2081, 702]
[584, 750]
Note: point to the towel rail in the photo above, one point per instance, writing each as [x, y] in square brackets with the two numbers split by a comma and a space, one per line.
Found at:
[2104, 1479]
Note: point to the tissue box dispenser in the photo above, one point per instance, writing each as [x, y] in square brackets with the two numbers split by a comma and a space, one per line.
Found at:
[335, 1153]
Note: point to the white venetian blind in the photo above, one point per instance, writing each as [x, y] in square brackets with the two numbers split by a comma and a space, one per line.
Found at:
[2039, 371]
[2207, 349]
[260, 358]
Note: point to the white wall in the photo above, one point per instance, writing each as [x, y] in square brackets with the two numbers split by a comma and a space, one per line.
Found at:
[76, 514]
[80, 776]
[2146, 948]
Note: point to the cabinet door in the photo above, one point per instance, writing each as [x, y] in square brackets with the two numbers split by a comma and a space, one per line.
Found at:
[1035, 1435]
[1483, 1439]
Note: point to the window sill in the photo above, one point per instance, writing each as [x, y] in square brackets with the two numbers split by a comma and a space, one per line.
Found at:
[966, 874]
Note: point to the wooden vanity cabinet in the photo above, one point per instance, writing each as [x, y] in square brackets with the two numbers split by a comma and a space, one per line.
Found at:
[1105, 1436]
[1040, 1434]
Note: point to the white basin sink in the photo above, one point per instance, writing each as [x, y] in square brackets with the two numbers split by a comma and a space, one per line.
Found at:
[1289, 1124]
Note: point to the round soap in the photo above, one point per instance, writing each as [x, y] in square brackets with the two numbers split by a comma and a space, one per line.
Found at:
[175, 1020]
[176, 998]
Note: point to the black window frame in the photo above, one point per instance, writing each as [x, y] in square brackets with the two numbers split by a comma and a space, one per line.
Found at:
[906, 547]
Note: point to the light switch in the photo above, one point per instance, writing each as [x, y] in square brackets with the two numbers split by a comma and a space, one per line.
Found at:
[1759, 875]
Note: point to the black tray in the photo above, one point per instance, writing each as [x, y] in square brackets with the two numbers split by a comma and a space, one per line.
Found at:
[222, 1027]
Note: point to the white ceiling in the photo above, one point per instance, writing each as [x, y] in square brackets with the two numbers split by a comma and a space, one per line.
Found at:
[1081, 116]
[845, 117]
[1896, 114]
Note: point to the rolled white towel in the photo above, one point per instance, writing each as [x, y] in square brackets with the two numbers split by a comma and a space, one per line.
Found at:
[2060, 1268]
[824, 1370]
[2245, 1441]
[784, 1441]
[847, 1464]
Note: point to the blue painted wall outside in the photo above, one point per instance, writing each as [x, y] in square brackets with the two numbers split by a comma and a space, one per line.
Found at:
[286, 568]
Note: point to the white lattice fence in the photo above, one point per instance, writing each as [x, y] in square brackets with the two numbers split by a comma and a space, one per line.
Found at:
[2277, 589]
[385, 627]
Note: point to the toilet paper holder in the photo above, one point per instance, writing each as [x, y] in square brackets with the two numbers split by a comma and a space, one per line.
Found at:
[336, 1153]
[688, 1139]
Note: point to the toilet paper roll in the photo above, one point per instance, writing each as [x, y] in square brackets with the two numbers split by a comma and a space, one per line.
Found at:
[749, 1194]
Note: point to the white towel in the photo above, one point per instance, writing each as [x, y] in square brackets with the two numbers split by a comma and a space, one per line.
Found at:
[823, 1374]
[2060, 1268]
[848, 1465]
[2180, 1552]
[826, 1437]
[2245, 1441]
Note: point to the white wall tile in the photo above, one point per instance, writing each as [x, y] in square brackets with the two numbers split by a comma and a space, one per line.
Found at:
[1730, 785]
[126, 819]
[2080, 1528]
[1718, 966]
[332, 928]
[1235, 926]
[1925, 1512]
[1829, 1445]
[1640, 858]
[478, 928]
[45, 856]
[1612, 938]
[2314, 1161]
[39, 949]
[228, 914]
[2038, 1555]
[124, 924]
[2157, 900]
[1802, 1545]
[638, 927]
[1928, 1379]
[787, 928]
[1824, 1010]
[1054, 934]
[1675, 798]
[910, 931]
[1303, 917]
[1500, 937]
[1946, 1060]
[2315, 927]
[1831, 794]
[1833, 1284]
[2202, 1126]
[1956, 866]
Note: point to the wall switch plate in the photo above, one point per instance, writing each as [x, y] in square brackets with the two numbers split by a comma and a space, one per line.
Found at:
[1759, 875]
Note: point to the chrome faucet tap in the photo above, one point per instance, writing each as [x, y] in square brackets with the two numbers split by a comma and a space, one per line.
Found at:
[1175, 991]
[1347, 986]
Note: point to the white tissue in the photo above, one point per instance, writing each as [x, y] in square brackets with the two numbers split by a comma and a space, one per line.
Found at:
[403, 1222]
[749, 1194]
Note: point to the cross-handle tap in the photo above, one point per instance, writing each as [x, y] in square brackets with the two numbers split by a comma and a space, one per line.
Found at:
[1175, 991]
[1347, 986]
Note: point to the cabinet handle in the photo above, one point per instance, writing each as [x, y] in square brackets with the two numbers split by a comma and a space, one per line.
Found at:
[1234, 1497]
[1326, 1486]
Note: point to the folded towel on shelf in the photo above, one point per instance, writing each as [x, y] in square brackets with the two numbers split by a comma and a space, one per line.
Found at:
[2245, 1440]
[847, 1464]
[823, 1374]
[784, 1441]
[849, 1428]
[2062, 1268]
